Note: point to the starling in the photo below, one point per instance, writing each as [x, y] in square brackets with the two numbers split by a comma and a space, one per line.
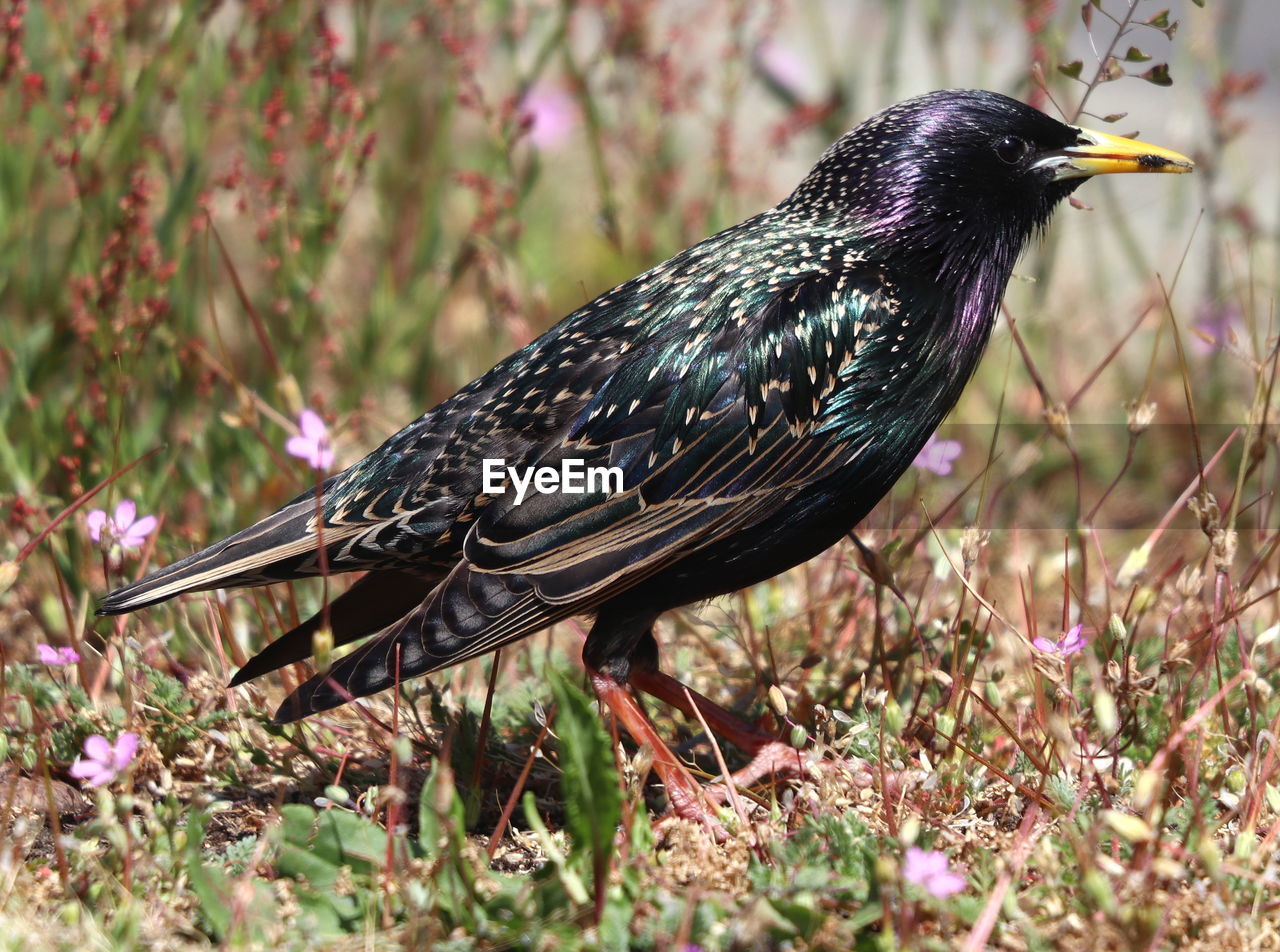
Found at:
[758, 393]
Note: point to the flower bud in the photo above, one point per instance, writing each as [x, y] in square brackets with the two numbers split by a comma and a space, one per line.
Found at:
[1139, 416]
[777, 700]
[322, 648]
[1058, 419]
[972, 540]
[291, 394]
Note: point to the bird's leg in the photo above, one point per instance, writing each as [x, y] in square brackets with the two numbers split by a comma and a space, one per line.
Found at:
[686, 795]
[728, 725]
[770, 757]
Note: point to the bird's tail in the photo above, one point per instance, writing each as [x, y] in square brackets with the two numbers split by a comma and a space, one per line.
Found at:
[373, 603]
[467, 614]
[279, 548]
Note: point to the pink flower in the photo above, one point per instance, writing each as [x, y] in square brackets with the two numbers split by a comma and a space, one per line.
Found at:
[928, 870]
[1217, 325]
[57, 656]
[103, 761]
[550, 115]
[312, 443]
[786, 68]
[123, 527]
[937, 455]
[1071, 642]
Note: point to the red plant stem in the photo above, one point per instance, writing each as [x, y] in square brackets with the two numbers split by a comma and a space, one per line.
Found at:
[518, 789]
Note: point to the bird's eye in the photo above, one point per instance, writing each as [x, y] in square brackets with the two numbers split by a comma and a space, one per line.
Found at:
[1012, 150]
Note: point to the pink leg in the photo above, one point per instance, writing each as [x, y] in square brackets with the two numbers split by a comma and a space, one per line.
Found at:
[770, 757]
[688, 799]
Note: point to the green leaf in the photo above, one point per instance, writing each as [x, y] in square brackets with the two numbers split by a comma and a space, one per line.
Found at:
[1135, 55]
[442, 834]
[351, 839]
[1071, 69]
[317, 845]
[592, 797]
[296, 858]
[574, 888]
[216, 893]
[800, 913]
[1160, 21]
[211, 885]
[1158, 75]
[325, 913]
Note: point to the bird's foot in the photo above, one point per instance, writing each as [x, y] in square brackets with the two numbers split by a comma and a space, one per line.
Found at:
[693, 804]
[687, 797]
[780, 761]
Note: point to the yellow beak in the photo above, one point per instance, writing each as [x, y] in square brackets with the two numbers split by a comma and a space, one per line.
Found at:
[1100, 153]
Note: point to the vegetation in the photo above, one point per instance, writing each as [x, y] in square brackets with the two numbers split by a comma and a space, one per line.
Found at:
[1059, 641]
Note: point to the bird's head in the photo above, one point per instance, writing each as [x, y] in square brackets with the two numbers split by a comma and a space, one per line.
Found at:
[962, 176]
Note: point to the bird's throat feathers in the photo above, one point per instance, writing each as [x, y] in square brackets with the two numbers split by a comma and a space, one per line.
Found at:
[968, 259]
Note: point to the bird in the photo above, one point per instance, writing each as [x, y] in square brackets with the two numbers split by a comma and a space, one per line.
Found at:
[759, 393]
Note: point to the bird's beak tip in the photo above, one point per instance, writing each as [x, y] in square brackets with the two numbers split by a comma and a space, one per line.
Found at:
[1100, 153]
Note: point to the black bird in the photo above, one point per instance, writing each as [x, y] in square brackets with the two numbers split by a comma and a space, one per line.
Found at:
[759, 393]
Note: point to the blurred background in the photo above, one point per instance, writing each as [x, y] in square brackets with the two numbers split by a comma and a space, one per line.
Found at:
[216, 214]
[213, 214]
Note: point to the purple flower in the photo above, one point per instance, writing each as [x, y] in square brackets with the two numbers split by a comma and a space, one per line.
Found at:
[103, 761]
[312, 443]
[1071, 642]
[928, 870]
[1217, 325]
[123, 527]
[550, 114]
[784, 66]
[937, 455]
[57, 656]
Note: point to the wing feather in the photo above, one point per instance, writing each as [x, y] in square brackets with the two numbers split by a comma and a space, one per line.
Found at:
[527, 566]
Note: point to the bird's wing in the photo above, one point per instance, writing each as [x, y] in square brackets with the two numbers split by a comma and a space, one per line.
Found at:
[406, 505]
[709, 440]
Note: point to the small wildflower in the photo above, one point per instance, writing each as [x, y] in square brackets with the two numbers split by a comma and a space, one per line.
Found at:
[1217, 325]
[928, 870]
[312, 443]
[122, 527]
[787, 69]
[57, 656]
[550, 115]
[1071, 642]
[936, 456]
[103, 761]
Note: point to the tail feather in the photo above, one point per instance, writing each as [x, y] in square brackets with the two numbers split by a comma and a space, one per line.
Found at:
[467, 614]
[373, 603]
[279, 548]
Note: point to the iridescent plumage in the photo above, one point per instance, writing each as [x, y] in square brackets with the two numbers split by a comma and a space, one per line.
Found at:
[760, 391]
